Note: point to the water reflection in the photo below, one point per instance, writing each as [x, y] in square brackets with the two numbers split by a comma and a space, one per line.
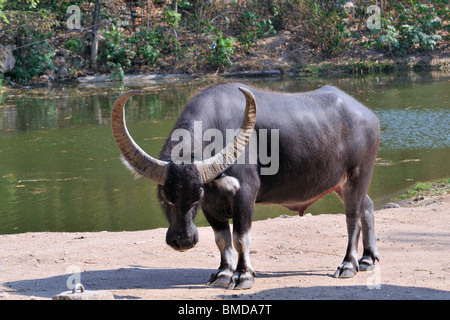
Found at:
[60, 168]
[69, 106]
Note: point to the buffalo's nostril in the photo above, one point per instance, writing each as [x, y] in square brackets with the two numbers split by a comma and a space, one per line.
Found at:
[174, 244]
[181, 243]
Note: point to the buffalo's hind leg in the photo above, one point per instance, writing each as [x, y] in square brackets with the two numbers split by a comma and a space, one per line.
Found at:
[359, 216]
[370, 254]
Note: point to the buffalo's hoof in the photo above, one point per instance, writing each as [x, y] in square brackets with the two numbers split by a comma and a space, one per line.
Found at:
[367, 263]
[220, 279]
[345, 270]
[242, 280]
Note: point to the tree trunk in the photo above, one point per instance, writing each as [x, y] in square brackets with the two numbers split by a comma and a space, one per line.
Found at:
[94, 47]
[130, 6]
[175, 36]
[148, 17]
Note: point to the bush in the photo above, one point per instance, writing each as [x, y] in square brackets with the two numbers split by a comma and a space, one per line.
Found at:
[150, 42]
[415, 28]
[253, 28]
[122, 51]
[33, 61]
[173, 20]
[150, 54]
[325, 27]
[117, 71]
[221, 52]
[74, 45]
[116, 48]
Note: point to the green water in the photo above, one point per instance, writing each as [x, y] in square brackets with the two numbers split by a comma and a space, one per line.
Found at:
[60, 167]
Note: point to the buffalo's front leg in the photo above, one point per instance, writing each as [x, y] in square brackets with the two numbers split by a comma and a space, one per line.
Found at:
[243, 205]
[244, 276]
[227, 264]
[242, 201]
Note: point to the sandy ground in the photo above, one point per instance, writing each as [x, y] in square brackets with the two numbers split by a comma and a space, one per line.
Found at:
[294, 258]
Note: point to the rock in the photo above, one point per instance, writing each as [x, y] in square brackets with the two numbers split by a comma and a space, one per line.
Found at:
[76, 62]
[48, 77]
[62, 52]
[7, 60]
[59, 61]
[79, 293]
[63, 72]
[390, 205]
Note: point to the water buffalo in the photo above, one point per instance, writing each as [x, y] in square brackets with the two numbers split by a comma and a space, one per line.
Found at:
[326, 142]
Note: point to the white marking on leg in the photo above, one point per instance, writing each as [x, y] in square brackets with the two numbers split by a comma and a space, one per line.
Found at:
[242, 246]
[223, 242]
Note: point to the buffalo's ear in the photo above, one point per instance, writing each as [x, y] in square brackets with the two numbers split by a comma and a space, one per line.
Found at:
[227, 184]
[136, 174]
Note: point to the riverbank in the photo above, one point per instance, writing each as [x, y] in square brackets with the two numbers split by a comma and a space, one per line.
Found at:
[273, 57]
[294, 258]
[277, 57]
[43, 43]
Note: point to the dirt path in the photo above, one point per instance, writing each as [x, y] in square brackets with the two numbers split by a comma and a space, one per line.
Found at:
[294, 258]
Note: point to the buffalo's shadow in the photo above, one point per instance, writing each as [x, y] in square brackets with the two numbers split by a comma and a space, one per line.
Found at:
[134, 277]
[140, 277]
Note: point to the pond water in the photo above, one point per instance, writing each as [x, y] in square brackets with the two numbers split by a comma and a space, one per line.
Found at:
[60, 167]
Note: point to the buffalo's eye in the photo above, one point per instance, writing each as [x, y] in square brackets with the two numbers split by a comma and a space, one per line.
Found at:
[170, 203]
[164, 196]
[199, 197]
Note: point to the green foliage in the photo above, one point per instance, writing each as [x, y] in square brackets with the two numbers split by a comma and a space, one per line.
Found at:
[2, 14]
[442, 186]
[415, 28]
[117, 49]
[150, 54]
[253, 27]
[417, 189]
[74, 45]
[123, 51]
[183, 31]
[33, 3]
[172, 18]
[389, 40]
[33, 61]
[150, 43]
[220, 55]
[325, 26]
[24, 25]
[117, 71]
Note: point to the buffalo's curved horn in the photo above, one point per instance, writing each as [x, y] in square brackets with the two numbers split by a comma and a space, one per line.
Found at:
[137, 158]
[210, 168]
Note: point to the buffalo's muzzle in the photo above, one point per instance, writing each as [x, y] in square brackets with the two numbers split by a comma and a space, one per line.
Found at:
[181, 241]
